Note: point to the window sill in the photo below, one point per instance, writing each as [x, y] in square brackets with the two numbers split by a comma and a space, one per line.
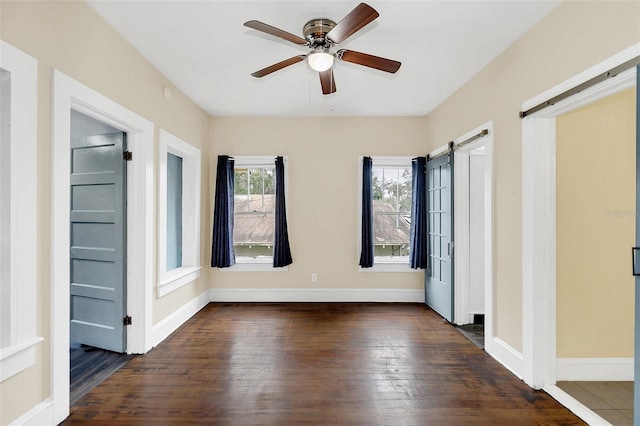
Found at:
[176, 278]
[17, 358]
[386, 265]
[254, 265]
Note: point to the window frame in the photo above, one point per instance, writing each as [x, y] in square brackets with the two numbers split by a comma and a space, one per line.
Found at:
[248, 264]
[172, 280]
[382, 263]
[21, 287]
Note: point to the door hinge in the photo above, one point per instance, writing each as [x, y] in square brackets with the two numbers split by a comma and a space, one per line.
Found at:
[126, 320]
[127, 155]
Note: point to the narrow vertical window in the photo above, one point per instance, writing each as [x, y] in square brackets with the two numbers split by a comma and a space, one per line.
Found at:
[174, 211]
[178, 213]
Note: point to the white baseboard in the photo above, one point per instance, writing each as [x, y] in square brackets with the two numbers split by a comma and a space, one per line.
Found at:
[40, 415]
[594, 369]
[575, 406]
[502, 352]
[168, 325]
[315, 295]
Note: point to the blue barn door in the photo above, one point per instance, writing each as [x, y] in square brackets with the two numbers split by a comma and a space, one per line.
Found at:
[439, 275]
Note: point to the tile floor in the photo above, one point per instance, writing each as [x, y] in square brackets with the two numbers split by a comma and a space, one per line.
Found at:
[613, 401]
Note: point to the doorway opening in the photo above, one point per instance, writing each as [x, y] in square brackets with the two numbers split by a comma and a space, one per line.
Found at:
[473, 222]
[71, 95]
[540, 315]
[471, 309]
[595, 215]
[98, 253]
[472, 247]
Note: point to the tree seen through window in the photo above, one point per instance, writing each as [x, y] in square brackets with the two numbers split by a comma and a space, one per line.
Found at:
[391, 191]
[254, 209]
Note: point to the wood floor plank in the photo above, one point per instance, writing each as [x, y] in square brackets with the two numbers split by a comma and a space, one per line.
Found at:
[317, 363]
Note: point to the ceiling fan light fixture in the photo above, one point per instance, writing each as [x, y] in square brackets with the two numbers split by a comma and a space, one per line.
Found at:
[320, 60]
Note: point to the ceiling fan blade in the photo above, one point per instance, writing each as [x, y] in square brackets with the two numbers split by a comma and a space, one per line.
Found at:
[266, 28]
[275, 67]
[355, 20]
[327, 81]
[367, 60]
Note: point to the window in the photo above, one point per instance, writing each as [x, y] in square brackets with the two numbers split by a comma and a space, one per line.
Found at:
[254, 209]
[391, 181]
[174, 211]
[179, 213]
[18, 207]
[254, 212]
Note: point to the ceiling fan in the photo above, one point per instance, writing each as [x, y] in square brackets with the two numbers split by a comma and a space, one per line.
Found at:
[321, 35]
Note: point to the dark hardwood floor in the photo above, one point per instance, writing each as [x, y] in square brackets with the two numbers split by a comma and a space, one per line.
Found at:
[317, 363]
[89, 367]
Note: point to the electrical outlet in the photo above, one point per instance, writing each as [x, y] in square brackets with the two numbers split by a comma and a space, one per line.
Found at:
[314, 277]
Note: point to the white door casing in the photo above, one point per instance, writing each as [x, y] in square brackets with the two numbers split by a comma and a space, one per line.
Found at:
[69, 94]
[461, 224]
[539, 215]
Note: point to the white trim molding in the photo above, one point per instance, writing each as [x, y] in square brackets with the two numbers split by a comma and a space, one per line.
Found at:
[18, 357]
[538, 247]
[173, 321]
[595, 369]
[539, 213]
[575, 406]
[171, 280]
[41, 414]
[69, 94]
[506, 355]
[315, 295]
[461, 224]
[18, 220]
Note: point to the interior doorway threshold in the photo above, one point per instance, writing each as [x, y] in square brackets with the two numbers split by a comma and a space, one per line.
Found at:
[90, 367]
[576, 407]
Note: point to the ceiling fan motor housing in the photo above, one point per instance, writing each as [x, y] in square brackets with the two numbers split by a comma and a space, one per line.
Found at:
[315, 32]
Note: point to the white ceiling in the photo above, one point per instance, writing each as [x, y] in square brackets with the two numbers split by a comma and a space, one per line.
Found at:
[204, 49]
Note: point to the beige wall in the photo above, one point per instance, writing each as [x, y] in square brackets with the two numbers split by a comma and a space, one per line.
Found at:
[323, 190]
[70, 37]
[572, 38]
[596, 197]
[322, 201]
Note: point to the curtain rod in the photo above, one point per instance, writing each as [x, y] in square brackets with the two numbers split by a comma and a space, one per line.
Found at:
[579, 88]
[452, 145]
